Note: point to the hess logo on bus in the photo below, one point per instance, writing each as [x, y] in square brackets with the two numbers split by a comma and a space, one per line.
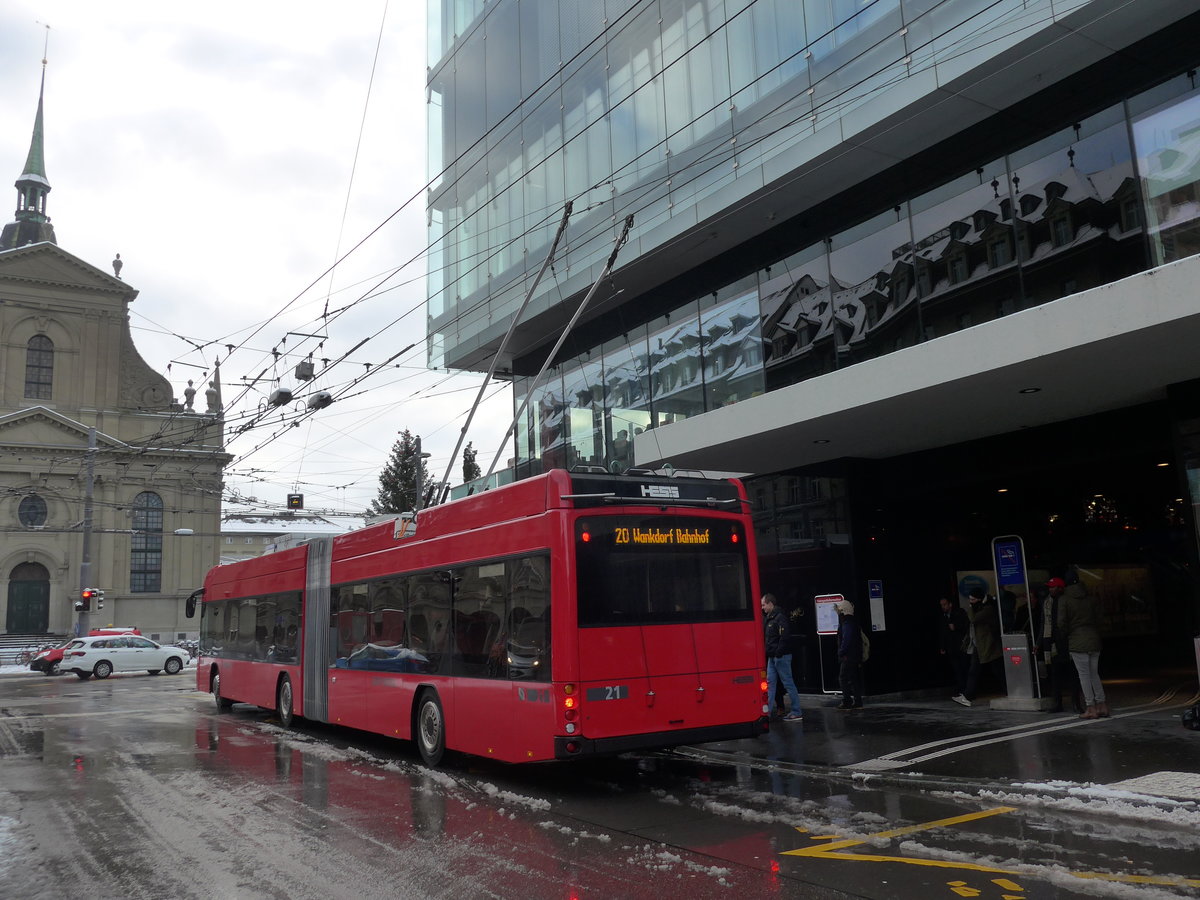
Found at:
[660, 491]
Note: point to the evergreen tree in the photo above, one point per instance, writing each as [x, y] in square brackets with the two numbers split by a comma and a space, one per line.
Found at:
[397, 481]
[471, 469]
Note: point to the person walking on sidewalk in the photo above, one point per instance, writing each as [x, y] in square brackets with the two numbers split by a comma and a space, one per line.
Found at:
[850, 648]
[955, 641]
[1080, 618]
[985, 634]
[777, 636]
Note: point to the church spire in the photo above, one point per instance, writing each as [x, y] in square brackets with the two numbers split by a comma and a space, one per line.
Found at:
[32, 225]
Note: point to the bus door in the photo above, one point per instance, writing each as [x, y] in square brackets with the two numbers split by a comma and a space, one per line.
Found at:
[349, 677]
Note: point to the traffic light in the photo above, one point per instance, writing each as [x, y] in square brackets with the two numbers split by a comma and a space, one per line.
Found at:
[86, 596]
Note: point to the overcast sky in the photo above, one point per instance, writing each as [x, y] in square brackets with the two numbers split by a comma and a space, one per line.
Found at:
[213, 146]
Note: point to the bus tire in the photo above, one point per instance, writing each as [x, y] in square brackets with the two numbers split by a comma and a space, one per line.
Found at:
[223, 703]
[431, 728]
[283, 702]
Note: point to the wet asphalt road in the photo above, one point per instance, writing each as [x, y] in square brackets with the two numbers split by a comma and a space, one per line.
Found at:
[135, 787]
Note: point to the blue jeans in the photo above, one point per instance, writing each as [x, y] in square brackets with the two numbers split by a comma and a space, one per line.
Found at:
[780, 669]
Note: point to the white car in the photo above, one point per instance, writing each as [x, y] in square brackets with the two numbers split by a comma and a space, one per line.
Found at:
[101, 655]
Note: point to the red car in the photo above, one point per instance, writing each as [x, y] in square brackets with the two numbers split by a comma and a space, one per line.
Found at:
[48, 660]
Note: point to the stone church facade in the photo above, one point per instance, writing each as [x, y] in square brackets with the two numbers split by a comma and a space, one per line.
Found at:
[106, 480]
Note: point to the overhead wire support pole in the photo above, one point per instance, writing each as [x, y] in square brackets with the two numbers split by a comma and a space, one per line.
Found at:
[562, 227]
[608, 267]
[85, 563]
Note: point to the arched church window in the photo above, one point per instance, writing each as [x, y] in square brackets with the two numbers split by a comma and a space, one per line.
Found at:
[145, 564]
[32, 511]
[39, 367]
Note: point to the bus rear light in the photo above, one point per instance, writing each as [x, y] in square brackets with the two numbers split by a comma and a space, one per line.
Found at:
[569, 703]
[763, 686]
[570, 728]
[571, 715]
[568, 688]
[572, 746]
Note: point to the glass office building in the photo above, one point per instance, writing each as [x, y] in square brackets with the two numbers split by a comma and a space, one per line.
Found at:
[827, 192]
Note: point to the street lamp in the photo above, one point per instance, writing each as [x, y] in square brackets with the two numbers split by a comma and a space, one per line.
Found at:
[419, 477]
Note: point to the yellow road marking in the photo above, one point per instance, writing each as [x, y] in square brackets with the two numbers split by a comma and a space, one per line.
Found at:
[829, 851]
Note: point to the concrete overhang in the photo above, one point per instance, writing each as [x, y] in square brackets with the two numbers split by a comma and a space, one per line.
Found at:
[1115, 346]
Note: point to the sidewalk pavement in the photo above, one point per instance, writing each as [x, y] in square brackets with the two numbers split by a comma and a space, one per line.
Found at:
[1141, 749]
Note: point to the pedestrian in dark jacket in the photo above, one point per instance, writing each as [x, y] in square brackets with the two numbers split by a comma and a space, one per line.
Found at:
[1080, 617]
[1053, 643]
[985, 635]
[850, 646]
[954, 638]
[777, 637]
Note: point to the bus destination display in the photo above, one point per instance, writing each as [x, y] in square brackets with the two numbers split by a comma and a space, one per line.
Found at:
[662, 536]
[646, 534]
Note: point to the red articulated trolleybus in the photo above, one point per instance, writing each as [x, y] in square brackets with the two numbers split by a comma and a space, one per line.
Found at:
[566, 615]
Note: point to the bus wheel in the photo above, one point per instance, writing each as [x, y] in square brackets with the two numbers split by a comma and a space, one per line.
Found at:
[431, 729]
[222, 703]
[283, 702]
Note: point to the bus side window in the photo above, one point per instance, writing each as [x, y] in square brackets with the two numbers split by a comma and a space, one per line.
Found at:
[528, 642]
[429, 613]
[419, 632]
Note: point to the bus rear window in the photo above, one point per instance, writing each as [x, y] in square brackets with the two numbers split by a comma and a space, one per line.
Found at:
[638, 570]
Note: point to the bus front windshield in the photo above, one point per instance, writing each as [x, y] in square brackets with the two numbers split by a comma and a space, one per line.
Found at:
[643, 570]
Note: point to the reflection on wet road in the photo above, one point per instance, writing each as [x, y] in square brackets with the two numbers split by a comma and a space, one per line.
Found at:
[136, 787]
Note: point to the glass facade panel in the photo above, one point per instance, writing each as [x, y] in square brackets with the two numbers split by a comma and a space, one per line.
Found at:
[627, 407]
[503, 81]
[951, 228]
[583, 389]
[676, 379]
[541, 429]
[797, 317]
[875, 308]
[732, 346]
[1071, 195]
[1168, 148]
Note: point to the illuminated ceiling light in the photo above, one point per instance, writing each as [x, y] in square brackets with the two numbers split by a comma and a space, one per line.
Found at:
[1029, 390]
[821, 441]
[1001, 490]
[1163, 465]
